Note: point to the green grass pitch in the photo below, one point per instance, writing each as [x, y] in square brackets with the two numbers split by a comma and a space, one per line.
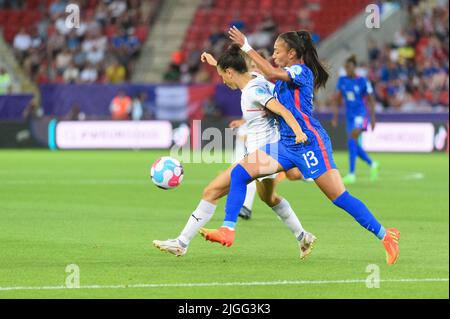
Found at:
[100, 211]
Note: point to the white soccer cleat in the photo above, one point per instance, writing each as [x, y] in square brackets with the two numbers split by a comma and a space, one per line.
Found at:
[306, 244]
[171, 245]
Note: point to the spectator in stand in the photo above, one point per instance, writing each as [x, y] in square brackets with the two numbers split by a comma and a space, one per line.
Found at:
[95, 56]
[412, 72]
[115, 73]
[237, 21]
[216, 36]
[89, 74]
[88, 44]
[79, 58]
[57, 8]
[137, 110]
[120, 106]
[5, 82]
[63, 60]
[55, 44]
[71, 73]
[117, 8]
[32, 62]
[36, 40]
[22, 43]
[173, 74]
[101, 13]
[42, 75]
[73, 40]
[265, 32]
[191, 63]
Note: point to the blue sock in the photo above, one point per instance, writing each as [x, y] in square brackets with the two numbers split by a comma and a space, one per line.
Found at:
[360, 212]
[352, 153]
[363, 155]
[236, 196]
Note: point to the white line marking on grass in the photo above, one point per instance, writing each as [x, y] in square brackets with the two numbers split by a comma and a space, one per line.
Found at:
[93, 182]
[224, 284]
[415, 176]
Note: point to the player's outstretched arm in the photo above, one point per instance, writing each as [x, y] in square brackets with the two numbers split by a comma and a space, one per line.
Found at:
[263, 65]
[277, 108]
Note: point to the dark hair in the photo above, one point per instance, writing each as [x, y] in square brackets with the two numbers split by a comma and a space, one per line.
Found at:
[303, 45]
[352, 59]
[233, 58]
[264, 53]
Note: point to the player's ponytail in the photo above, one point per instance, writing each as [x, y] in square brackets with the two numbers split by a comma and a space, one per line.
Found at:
[303, 45]
[233, 58]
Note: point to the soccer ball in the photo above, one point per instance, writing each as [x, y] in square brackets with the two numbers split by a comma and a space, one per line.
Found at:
[167, 173]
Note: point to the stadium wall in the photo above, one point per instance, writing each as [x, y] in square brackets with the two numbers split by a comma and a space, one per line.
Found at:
[180, 105]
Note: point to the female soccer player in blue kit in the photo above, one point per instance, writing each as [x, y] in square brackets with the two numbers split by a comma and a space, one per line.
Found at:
[353, 89]
[300, 73]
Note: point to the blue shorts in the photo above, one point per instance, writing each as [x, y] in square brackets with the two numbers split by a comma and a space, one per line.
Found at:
[312, 160]
[357, 122]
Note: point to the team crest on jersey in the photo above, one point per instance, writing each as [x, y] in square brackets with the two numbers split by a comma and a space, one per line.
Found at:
[296, 69]
[259, 91]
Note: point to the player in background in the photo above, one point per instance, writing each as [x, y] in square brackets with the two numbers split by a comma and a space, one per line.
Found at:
[300, 73]
[241, 151]
[256, 100]
[353, 89]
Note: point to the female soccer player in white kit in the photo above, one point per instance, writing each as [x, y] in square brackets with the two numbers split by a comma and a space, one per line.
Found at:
[256, 100]
[241, 150]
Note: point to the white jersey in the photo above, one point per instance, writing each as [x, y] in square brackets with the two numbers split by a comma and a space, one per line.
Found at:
[261, 127]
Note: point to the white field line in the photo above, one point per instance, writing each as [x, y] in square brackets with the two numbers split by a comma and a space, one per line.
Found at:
[227, 284]
[394, 176]
[93, 182]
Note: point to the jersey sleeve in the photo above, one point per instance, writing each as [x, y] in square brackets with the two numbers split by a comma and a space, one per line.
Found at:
[298, 74]
[368, 89]
[260, 94]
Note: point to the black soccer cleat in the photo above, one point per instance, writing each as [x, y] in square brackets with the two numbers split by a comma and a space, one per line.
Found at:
[245, 213]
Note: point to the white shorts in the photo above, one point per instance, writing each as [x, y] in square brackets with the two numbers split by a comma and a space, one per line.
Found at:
[241, 150]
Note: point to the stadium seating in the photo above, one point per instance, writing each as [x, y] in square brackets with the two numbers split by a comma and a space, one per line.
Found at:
[331, 15]
[34, 12]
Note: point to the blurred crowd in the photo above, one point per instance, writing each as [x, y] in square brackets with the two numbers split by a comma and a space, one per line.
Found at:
[412, 72]
[104, 48]
[186, 66]
[409, 73]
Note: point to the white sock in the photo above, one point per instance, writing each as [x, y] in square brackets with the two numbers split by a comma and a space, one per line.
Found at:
[289, 218]
[197, 220]
[250, 198]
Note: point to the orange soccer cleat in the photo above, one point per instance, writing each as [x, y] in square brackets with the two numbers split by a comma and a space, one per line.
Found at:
[223, 235]
[390, 243]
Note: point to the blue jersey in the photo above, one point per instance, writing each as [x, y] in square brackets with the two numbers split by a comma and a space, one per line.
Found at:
[315, 157]
[297, 96]
[353, 91]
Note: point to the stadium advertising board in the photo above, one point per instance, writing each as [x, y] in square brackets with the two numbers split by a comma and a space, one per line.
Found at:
[406, 137]
[114, 135]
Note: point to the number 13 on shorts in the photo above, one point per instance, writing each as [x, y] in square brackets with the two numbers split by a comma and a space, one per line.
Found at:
[310, 159]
